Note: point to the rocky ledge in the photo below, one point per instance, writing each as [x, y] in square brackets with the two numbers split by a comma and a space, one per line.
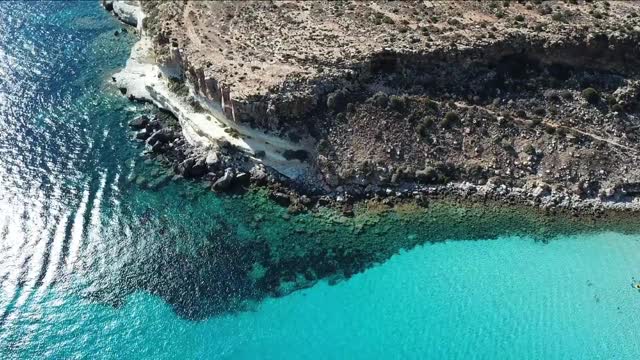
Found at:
[532, 102]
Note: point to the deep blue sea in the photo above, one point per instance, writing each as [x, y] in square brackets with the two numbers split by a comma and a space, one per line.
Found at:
[98, 261]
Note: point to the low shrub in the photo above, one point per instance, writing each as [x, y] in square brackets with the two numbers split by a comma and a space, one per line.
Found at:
[432, 105]
[380, 99]
[617, 108]
[529, 149]
[591, 95]
[423, 127]
[450, 119]
[540, 111]
[567, 95]
[398, 102]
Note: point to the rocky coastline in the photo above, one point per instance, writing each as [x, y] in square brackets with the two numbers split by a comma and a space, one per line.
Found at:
[558, 134]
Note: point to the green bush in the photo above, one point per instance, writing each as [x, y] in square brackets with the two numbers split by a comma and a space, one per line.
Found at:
[559, 16]
[323, 146]
[453, 22]
[233, 132]
[535, 122]
[450, 119]
[423, 128]
[300, 155]
[178, 86]
[591, 95]
[545, 10]
[397, 102]
[617, 108]
[529, 149]
[380, 99]
[540, 111]
[567, 95]
[432, 105]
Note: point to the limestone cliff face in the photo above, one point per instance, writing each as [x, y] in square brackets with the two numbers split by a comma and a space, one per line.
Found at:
[269, 111]
[273, 64]
[293, 101]
[394, 99]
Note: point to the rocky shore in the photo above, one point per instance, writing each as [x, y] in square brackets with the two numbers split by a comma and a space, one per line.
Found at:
[526, 103]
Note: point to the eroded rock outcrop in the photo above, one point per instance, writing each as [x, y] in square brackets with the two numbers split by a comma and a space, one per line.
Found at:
[401, 96]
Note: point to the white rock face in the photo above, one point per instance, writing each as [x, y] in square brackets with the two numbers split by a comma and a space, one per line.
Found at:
[144, 79]
[128, 11]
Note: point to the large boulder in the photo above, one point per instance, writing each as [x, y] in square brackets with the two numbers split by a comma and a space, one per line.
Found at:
[162, 136]
[225, 182]
[142, 134]
[212, 160]
[198, 169]
[107, 4]
[259, 175]
[191, 168]
[541, 191]
[158, 147]
[153, 126]
[139, 123]
[337, 101]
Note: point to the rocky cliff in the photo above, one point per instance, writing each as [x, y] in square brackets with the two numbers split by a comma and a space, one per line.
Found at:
[396, 96]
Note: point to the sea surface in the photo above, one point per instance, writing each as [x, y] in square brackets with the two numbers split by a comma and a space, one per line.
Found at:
[101, 257]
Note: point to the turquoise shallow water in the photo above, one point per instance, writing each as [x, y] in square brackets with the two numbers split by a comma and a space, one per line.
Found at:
[510, 298]
[93, 264]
